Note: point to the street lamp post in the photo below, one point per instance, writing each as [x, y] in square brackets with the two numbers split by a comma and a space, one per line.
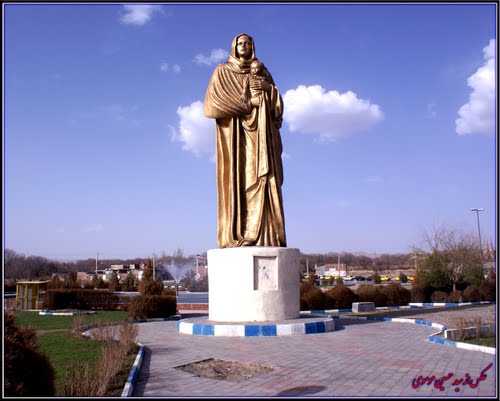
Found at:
[477, 210]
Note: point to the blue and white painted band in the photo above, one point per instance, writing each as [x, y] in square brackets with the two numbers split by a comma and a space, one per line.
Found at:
[66, 313]
[470, 347]
[420, 304]
[134, 372]
[350, 310]
[253, 330]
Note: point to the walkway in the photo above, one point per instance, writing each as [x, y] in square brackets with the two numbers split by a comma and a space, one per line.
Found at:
[360, 359]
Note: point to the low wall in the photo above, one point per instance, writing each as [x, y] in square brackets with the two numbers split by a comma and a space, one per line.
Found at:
[470, 332]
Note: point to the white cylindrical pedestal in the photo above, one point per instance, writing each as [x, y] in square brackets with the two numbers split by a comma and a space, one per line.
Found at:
[253, 284]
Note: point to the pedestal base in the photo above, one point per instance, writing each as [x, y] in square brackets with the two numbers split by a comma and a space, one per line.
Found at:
[302, 325]
[253, 284]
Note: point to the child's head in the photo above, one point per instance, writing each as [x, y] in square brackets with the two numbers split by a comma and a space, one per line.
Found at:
[256, 67]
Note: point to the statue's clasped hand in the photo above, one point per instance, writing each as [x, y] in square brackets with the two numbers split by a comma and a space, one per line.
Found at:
[260, 85]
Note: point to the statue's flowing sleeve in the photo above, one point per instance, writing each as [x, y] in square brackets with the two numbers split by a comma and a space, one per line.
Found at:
[223, 96]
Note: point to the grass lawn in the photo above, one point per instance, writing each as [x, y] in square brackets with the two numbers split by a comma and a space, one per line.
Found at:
[61, 346]
[487, 342]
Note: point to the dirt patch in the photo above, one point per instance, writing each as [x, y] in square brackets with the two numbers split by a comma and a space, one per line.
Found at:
[224, 370]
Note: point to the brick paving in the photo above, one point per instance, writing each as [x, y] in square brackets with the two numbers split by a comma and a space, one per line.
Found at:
[359, 359]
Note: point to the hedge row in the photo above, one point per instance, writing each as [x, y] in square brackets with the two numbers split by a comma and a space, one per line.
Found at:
[80, 299]
[139, 306]
[394, 294]
[422, 292]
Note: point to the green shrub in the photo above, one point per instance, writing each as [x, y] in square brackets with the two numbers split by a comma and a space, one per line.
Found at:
[403, 277]
[371, 293]
[27, 371]
[472, 294]
[148, 285]
[455, 296]
[311, 297]
[439, 296]
[376, 278]
[396, 294]
[340, 297]
[488, 290]
[152, 306]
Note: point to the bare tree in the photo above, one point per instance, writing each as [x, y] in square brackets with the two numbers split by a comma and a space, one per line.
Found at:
[452, 251]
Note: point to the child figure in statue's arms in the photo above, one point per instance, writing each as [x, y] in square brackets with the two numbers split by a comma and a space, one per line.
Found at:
[257, 71]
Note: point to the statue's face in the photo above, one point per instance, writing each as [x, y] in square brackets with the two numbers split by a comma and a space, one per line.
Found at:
[244, 47]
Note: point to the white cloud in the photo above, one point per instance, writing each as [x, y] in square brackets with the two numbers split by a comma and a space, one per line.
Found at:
[164, 66]
[216, 56]
[92, 228]
[138, 14]
[196, 132]
[331, 115]
[478, 115]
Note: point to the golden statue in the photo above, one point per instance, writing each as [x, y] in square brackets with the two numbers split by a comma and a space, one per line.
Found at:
[248, 110]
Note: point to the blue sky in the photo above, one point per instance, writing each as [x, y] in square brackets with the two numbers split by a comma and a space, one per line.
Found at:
[390, 124]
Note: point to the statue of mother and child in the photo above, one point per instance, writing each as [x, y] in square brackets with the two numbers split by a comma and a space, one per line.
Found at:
[248, 109]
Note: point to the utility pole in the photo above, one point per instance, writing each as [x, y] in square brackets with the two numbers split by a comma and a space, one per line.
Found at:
[477, 210]
[154, 276]
[96, 257]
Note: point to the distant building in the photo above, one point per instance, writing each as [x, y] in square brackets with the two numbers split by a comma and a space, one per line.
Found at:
[123, 271]
[331, 269]
[30, 294]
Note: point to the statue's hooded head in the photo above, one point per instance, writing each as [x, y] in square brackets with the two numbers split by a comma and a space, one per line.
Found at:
[235, 57]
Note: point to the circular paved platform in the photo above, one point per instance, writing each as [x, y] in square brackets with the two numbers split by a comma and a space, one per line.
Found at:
[302, 325]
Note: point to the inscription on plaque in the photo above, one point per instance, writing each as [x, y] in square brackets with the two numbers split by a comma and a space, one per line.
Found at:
[265, 273]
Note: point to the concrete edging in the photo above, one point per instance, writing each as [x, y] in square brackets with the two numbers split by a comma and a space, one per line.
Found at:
[134, 372]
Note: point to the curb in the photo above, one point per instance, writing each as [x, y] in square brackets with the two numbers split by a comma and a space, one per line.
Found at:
[470, 347]
[419, 304]
[410, 306]
[66, 313]
[134, 372]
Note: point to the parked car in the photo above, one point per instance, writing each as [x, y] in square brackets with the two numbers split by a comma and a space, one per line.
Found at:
[359, 278]
[369, 278]
[347, 278]
[385, 278]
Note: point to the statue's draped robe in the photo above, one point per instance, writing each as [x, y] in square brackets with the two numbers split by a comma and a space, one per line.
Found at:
[248, 160]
